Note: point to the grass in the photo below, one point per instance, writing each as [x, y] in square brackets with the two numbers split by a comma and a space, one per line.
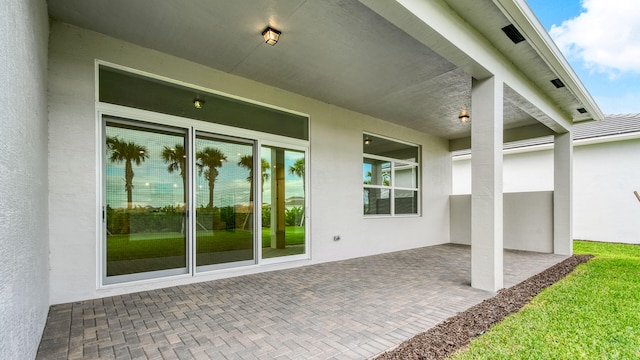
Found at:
[144, 246]
[594, 313]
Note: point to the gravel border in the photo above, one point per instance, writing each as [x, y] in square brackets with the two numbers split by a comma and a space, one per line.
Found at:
[456, 332]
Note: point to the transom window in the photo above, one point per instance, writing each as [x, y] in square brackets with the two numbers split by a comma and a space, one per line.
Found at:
[391, 177]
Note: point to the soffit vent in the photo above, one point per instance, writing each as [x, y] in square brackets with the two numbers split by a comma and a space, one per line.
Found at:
[582, 110]
[513, 33]
[557, 83]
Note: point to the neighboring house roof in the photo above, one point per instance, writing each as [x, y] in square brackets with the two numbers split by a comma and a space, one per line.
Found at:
[614, 125]
[611, 125]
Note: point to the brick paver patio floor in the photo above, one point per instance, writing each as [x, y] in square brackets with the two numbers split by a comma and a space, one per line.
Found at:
[351, 309]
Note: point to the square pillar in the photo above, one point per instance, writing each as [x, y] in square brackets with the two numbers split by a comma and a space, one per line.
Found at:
[563, 194]
[486, 184]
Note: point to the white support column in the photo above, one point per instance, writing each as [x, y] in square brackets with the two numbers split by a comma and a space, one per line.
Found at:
[563, 194]
[486, 185]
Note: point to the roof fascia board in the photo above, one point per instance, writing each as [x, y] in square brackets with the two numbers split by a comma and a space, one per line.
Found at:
[436, 25]
[549, 146]
[520, 14]
[606, 139]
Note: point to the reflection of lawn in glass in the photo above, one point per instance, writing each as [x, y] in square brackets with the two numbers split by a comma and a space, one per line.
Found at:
[165, 244]
[294, 241]
[294, 235]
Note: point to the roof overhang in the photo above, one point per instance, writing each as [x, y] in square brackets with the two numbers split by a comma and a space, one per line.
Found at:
[407, 61]
[525, 20]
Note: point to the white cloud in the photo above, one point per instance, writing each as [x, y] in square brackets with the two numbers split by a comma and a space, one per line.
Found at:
[605, 36]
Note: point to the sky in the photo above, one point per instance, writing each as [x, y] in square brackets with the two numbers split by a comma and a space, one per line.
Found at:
[601, 41]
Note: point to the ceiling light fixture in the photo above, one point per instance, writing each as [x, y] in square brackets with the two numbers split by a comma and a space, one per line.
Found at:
[271, 35]
[367, 141]
[464, 116]
[198, 103]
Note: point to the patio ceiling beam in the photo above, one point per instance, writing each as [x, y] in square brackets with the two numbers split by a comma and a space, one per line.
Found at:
[439, 27]
[509, 135]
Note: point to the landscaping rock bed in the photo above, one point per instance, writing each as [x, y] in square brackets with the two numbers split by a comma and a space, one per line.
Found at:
[456, 332]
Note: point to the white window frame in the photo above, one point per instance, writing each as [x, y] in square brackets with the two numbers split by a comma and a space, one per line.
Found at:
[392, 188]
[192, 126]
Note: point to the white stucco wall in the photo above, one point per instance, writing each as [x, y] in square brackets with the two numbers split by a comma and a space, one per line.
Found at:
[335, 166]
[24, 290]
[605, 175]
[522, 172]
[527, 225]
[604, 206]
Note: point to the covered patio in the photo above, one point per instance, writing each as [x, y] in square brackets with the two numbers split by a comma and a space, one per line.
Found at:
[351, 309]
[88, 81]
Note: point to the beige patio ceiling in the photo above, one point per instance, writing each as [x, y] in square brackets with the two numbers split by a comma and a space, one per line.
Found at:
[342, 52]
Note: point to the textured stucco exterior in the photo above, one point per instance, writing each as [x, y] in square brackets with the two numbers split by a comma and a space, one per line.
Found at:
[527, 226]
[526, 171]
[335, 179]
[50, 153]
[605, 175]
[24, 289]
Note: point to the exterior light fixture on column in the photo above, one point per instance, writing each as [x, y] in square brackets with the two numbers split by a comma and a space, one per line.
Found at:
[198, 103]
[271, 35]
[464, 116]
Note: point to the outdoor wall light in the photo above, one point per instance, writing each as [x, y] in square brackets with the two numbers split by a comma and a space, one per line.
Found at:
[198, 104]
[271, 35]
[464, 116]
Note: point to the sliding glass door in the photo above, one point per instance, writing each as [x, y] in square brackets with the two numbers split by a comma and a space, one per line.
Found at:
[182, 201]
[224, 199]
[283, 202]
[145, 200]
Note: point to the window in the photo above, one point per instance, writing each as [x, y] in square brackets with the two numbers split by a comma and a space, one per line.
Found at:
[390, 171]
[124, 88]
[181, 193]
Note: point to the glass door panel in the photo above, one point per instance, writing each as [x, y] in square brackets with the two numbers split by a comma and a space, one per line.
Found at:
[283, 202]
[145, 201]
[224, 225]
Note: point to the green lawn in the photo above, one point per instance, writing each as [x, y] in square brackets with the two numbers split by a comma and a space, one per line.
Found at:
[594, 313]
[145, 245]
